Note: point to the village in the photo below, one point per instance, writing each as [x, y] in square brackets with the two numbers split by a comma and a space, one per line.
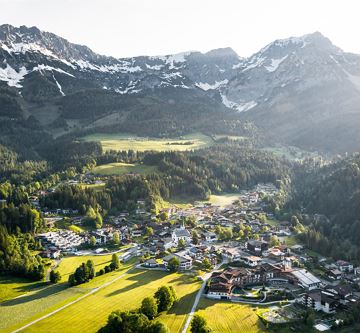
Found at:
[246, 255]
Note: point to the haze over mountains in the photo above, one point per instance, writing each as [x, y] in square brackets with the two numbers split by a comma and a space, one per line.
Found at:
[302, 91]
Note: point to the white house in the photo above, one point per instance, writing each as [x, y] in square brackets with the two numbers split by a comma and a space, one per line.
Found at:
[252, 261]
[185, 260]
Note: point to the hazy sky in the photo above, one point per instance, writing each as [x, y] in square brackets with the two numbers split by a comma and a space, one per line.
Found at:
[154, 27]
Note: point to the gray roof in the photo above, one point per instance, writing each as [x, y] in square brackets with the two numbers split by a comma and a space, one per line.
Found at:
[182, 233]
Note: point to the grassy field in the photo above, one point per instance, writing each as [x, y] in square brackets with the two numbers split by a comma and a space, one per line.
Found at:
[96, 187]
[124, 168]
[69, 264]
[11, 287]
[132, 142]
[90, 314]
[18, 311]
[224, 199]
[226, 317]
[35, 303]
[291, 153]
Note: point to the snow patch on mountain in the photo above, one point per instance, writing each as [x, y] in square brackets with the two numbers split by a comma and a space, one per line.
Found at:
[12, 77]
[43, 67]
[275, 64]
[206, 86]
[154, 67]
[171, 60]
[58, 85]
[254, 62]
[239, 107]
[124, 67]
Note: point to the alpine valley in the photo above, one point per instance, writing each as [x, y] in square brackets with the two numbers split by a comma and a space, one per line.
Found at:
[192, 192]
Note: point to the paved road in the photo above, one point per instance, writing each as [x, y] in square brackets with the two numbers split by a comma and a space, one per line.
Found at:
[197, 298]
[73, 302]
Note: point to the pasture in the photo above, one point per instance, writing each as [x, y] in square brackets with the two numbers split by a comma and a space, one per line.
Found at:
[126, 142]
[124, 168]
[227, 317]
[91, 313]
[224, 200]
[11, 287]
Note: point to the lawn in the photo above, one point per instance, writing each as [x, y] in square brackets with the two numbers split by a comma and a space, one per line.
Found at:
[225, 317]
[124, 141]
[124, 168]
[90, 314]
[11, 287]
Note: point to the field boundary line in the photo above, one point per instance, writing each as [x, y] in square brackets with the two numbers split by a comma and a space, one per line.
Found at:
[73, 302]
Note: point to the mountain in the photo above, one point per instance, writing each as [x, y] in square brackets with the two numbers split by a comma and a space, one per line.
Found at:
[302, 91]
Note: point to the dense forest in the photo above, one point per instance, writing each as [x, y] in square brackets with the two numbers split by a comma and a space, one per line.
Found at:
[328, 195]
[223, 168]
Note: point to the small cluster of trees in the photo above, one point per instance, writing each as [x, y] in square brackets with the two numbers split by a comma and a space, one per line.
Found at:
[199, 325]
[115, 264]
[142, 320]
[55, 276]
[84, 273]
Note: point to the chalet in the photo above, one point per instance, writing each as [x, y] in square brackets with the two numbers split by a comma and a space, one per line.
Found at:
[257, 247]
[344, 266]
[185, 261]
[252, 261]
[297, 248]
[151, 263]
[343, 292]
[209, 236]
[222, 282]
[335, 274]
[320, 301]
[167, 243]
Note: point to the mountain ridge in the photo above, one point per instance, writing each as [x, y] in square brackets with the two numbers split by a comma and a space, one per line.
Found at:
[291, 87]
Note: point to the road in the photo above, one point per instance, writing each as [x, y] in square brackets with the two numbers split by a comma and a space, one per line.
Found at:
[73, 302]
[197, 298]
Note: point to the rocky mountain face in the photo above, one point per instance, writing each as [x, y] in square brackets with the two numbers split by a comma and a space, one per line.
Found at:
[302, 91]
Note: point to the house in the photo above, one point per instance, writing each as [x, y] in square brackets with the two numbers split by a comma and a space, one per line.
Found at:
[185, 261]
[335, 274]
[232, 254]
[151, 263]
[167, 243]
[343, 292]
[252, 261]
[209, 236]
[181, 233]
[320, 301]
[344, 266]
[219, 290]
[257, 247]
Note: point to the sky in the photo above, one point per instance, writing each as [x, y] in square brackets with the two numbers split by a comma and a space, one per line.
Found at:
[123, 28]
